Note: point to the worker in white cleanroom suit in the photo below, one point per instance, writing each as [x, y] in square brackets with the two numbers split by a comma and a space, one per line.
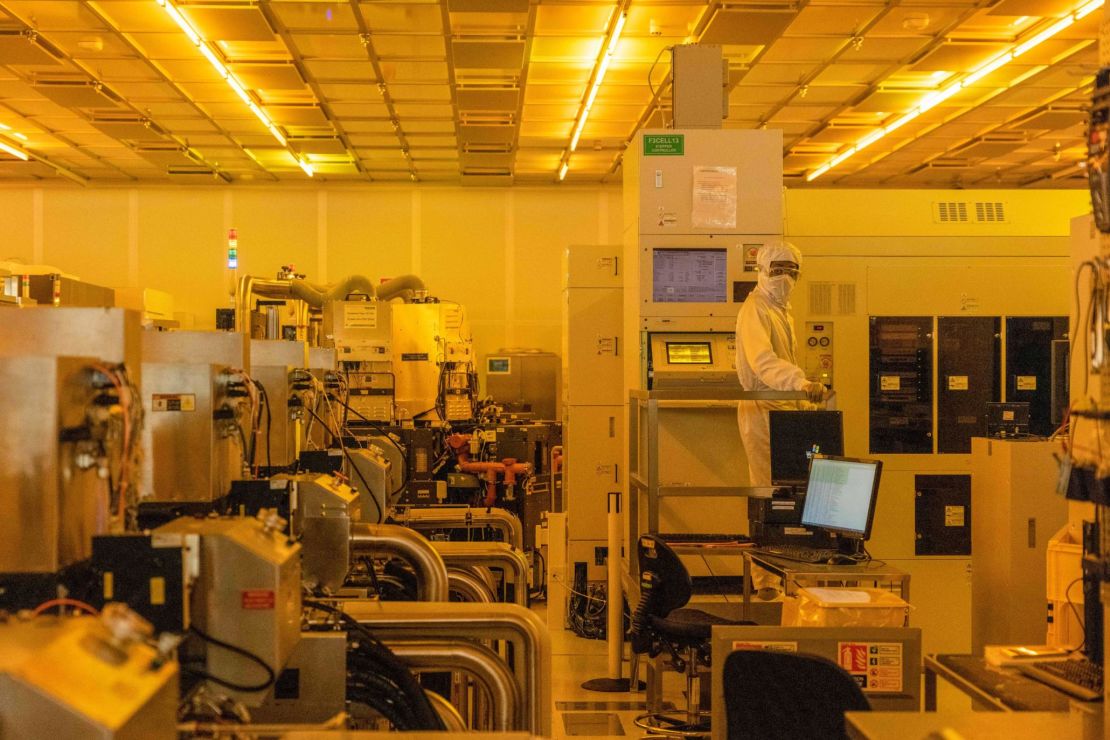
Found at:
[766, 354]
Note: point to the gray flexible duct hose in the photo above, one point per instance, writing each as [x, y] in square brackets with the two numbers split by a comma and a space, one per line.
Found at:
[317, 296]
[401, 286]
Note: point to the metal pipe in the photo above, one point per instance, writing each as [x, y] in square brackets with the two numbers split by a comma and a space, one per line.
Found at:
[479, 661]
[452, 720]
[469, 587]
[464, 517]
[399, 620]
[410, 546]
[497, 555]
[223, 729]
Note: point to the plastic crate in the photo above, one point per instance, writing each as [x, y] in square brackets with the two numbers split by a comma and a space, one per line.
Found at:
[845, 607]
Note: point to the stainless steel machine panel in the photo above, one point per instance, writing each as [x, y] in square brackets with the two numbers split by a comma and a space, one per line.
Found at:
[360, 331]
[526, 380]
[52, 507]
[320, 690]
[324, 508]
[64, 678]
[374, 474]
[272, 360]
[188, 454]
[247, 592]
[112, 334]
[226, 348]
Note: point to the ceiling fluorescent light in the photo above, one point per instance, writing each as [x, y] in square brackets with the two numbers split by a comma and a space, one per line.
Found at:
[617, 25]
[935, 98]
[240, 90]
[18, 153]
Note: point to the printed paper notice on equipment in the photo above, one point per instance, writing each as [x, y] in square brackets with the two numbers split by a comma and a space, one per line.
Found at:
[714, 204]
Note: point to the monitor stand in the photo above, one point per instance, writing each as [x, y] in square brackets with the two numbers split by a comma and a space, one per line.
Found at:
[850, 546]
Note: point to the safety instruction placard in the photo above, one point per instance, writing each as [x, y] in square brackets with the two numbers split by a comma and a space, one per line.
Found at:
[890, 382]
[955, 516]
[875, 666]
[774, 646]
[957, 382]
[173, 402]
[360, 315]
[1026, 382]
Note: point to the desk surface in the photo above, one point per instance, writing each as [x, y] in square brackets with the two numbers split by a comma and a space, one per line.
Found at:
[972, 725]
[1004, 688]
[873, 569]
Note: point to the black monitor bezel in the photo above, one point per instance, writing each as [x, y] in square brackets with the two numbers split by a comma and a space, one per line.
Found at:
[851, 534]
[776, 418]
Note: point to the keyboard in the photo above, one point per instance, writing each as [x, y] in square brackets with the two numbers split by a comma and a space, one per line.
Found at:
[701, 538]
[1080, 678]
[800, 553]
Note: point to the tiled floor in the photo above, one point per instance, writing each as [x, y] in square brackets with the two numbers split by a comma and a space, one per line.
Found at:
[579, 713]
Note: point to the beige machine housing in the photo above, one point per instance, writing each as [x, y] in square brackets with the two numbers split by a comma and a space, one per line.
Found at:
[425, 336]
[323, 509]
[273, 362]
[53, 502]
[246, 591]
[66, 678]
[188, 453]
[526, 380]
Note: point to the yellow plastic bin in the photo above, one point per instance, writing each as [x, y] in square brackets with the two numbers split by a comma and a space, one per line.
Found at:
[845, 607]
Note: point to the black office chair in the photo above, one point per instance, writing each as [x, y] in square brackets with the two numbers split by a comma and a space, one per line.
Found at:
[785, 696]
[660, 623]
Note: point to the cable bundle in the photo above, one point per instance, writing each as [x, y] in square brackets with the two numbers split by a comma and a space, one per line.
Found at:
[376, 678]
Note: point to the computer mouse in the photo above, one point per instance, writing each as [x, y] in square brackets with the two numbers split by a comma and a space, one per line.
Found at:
[840, 560]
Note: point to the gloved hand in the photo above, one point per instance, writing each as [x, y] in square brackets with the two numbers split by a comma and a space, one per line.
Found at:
[815, 392]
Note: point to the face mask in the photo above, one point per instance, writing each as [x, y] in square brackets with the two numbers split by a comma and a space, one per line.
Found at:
[780, 287]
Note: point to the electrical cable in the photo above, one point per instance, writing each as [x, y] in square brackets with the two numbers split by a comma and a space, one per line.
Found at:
[384, 664]
[271, 676]
[1075, 611]
[269, 422]
[63, 602]
[351, 462]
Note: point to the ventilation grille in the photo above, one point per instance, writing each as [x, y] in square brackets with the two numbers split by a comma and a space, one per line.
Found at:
[963, 212]
[989, 212]
[832, 299]
[947, 212]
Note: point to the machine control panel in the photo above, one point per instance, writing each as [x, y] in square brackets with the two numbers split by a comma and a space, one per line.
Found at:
[818, 352]
[695, 360]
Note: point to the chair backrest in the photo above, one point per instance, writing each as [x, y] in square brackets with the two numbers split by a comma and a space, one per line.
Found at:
[782, 696]
[663, 574]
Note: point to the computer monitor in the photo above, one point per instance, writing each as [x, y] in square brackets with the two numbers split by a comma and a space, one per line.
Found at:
[796, 436]
[840, 496]
[689, 275]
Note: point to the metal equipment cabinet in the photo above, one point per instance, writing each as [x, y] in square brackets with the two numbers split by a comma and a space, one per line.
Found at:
[1015, 510]
[593, 396]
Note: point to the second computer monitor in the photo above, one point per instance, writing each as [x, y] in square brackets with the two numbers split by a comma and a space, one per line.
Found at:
[796, 436]
[840, 496]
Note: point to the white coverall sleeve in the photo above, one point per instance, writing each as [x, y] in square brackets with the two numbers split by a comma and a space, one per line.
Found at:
[754, 340]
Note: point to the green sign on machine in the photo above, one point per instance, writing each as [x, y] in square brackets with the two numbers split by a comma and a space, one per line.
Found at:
[663, 145]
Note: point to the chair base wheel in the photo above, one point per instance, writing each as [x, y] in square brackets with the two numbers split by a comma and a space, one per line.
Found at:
[672, 724]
